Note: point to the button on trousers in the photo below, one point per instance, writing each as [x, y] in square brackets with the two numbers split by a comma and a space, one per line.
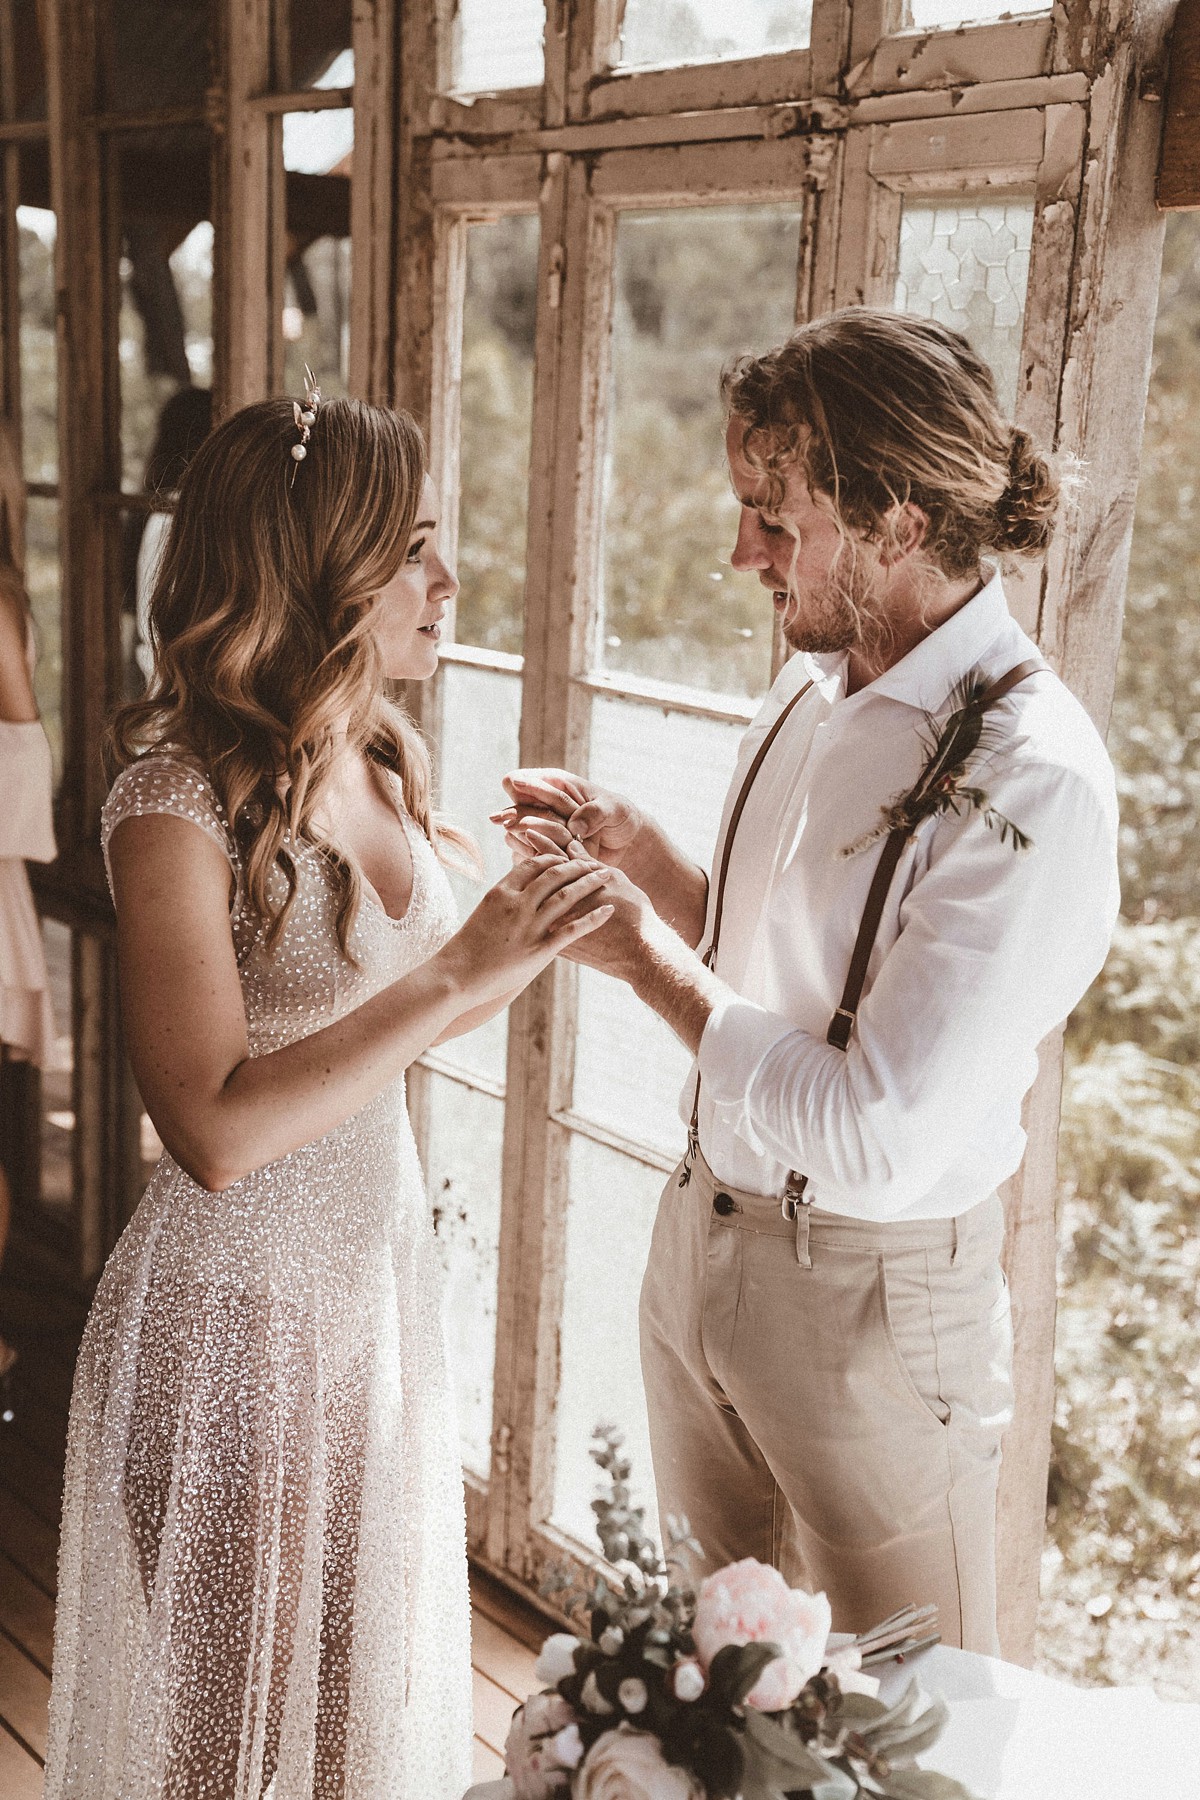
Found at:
[829, 1394]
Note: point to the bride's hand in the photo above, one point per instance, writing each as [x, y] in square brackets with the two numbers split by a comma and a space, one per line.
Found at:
[542, 907]
[566, 807]
[618, 948]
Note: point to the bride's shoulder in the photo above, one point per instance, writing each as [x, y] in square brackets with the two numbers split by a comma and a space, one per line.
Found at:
[166, 780]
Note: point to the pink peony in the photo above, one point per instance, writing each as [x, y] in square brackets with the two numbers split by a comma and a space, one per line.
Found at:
[629, 1765]
[529, 1751]
[749, 1603]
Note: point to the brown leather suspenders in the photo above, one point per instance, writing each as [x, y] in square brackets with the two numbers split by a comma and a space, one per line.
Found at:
[841, 1025]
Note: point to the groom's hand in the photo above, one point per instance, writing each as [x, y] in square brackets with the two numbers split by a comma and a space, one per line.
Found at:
[566, 807]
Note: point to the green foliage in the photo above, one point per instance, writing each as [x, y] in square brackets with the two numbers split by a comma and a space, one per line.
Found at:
[1122, 1577]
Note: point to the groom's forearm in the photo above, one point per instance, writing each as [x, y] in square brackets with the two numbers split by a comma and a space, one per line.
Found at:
[675, 886]
[670, 978]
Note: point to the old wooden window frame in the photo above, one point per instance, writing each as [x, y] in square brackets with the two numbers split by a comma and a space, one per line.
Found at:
[869, 111]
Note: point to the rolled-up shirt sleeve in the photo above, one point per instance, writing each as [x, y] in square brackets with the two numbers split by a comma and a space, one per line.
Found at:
[996, 946]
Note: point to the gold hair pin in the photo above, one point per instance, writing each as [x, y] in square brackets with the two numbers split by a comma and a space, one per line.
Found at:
[305, 417]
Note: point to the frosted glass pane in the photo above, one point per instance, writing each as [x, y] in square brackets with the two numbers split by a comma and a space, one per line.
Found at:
[610, 1217]
[931, 13]
[498, 45]
[967, 263]
[37, 231]
[677, 765]
[462, 1169]
[478, 742]
[499, 319]
[689, 31]
[629, 1068]
[694, 288]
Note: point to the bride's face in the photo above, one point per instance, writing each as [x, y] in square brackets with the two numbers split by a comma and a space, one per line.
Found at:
[410, 607]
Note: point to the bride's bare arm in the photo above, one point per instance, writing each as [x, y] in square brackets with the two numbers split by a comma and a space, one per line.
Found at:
[221, 1112]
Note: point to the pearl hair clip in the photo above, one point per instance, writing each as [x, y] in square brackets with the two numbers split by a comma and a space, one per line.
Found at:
[305, 417]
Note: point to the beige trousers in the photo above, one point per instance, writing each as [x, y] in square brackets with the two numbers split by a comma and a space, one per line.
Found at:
[829, 1395]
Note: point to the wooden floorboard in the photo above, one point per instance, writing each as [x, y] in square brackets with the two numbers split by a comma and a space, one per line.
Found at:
[45, 1324]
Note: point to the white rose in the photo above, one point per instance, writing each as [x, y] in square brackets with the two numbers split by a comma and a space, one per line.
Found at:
[688, 1680]
[592, 1698]
[632, 1695]
[628, 1765]
[557, 1659]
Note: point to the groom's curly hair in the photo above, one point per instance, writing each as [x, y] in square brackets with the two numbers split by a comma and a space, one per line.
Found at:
[880, 409]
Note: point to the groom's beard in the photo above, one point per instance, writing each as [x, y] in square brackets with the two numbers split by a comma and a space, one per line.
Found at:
[841, 614]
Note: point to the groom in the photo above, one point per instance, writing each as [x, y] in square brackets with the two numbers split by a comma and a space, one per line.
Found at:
[915, 881]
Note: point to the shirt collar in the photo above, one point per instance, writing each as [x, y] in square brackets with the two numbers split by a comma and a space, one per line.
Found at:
[927, 674]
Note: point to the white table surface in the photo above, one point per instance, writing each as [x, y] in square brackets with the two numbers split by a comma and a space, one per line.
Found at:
[1017, 1735]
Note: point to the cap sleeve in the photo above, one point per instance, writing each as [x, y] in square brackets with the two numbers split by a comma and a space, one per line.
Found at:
[165, 784]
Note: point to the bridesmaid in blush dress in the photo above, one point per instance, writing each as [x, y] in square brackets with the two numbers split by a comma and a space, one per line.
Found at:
[26, 821]
[263, 1589]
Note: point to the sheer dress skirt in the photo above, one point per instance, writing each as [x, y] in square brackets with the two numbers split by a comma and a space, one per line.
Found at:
[263, 1585]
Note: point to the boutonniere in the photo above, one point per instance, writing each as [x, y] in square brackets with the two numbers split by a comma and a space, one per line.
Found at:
[942, 786]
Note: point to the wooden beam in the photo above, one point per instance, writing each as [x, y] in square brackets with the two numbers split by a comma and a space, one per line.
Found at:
[1102, 393]
[247, 194]
[1179, 169]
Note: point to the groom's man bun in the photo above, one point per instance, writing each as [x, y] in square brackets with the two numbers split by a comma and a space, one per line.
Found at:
[879, 409]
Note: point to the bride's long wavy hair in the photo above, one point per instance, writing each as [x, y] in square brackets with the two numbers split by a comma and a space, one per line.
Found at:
[259, 620]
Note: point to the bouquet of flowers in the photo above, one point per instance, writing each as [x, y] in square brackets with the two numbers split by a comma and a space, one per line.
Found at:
[728, 1694]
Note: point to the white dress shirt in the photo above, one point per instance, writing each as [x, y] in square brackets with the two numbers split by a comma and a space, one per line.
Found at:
[982, 949]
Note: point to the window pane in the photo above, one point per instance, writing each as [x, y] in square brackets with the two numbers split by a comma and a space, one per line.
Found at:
[166, 298]
[693, 289]
[609, 1220]
[37, 231]
[478, 741]
[156, 53]
[497, 44]
[967, 264]
[927, 14]
[58, 1104]
[318, 150]
[690, 31]
[463, 1175]
[629, 1068]
[44, 582]
[29, 66]
[499, 318]
[314, 50]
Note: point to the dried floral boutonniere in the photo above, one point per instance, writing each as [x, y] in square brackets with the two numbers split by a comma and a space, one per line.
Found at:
[941, 786]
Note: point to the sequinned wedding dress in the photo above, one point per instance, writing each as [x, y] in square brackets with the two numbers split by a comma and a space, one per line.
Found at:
[262, 1589]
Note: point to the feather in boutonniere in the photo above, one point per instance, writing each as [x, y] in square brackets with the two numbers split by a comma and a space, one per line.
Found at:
[942, 786]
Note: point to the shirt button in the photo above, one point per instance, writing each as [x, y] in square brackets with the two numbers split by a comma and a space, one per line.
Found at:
[724, 1204]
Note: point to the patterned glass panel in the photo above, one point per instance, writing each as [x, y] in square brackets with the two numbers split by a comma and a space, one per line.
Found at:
[37, 232]
[930, 14]
[694, 288]
[318, 149]
[166, 344]
[43, 579]
[613, 1201]
[966, 262]
[498, 45]
[499, 318]
[692, 31]
[462, 1168]
[58, 1104]
[478, 741]
[629, 1068]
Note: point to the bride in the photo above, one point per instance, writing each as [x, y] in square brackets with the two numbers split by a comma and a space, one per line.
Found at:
[263, 1580]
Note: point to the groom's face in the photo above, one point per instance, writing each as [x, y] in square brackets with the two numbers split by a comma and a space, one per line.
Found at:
[818, 576]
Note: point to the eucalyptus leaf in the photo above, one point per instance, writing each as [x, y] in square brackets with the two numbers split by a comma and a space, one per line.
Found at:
[911, 1735]
[779, 1756]
[735, 1669]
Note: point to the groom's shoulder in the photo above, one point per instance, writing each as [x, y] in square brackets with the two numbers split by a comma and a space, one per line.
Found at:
[1053, 730]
